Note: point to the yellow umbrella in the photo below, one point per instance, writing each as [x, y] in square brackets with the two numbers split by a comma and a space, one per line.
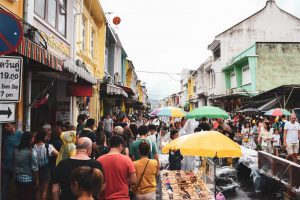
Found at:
[207, 144]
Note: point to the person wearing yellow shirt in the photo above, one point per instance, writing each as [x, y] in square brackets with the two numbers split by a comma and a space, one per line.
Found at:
[146, 171]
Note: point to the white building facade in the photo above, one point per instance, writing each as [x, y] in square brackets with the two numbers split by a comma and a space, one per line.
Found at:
[271, 24]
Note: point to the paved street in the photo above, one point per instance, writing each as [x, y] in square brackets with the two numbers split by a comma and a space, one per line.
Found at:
[173, 99]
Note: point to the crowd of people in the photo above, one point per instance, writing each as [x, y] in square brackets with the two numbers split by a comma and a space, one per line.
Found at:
[274, 135]
[118, 158]
[111, 160]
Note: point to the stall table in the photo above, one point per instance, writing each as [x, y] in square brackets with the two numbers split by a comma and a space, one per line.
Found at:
[183, 185]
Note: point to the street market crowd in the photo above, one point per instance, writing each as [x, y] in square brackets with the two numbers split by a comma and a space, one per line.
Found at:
[118, 158]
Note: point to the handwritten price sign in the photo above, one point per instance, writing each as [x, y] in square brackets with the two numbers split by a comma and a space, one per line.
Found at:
[10, 78]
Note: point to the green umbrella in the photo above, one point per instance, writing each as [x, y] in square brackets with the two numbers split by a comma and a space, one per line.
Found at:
[207, 111]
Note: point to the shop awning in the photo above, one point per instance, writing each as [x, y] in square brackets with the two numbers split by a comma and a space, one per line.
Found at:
[79, 90]
[261, 105]
[38, 53]
[115, 90]
[82, 73]
[233, 95]
[128, 90]
[269, 105]
[193, 100]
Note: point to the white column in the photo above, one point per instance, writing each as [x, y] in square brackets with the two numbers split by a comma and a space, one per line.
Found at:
[28, 101]
[73, 111]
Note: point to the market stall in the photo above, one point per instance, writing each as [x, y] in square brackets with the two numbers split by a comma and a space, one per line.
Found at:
[210, 144]
[183, 185]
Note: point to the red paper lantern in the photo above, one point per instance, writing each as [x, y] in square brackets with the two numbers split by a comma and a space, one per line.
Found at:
[116, 20]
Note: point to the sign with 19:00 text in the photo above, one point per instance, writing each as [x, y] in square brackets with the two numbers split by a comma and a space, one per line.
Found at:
[10, 78]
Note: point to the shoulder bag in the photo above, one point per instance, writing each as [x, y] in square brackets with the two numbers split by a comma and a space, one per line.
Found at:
[138, 185]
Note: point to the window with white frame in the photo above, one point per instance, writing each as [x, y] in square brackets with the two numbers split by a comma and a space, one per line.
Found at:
[62, 16]
[51, 14]
[246, 75]
[54, 12]
[213, 78]
[92, 48]
[217, 52]
[208, 79]
[233, 80]
[106, 60]
[40, 7]
[83, 34]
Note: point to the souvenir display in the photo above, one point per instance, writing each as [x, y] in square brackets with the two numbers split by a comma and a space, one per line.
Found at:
[183, 185]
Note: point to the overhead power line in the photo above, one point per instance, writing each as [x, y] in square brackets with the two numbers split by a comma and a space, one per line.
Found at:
[169, 74]
[151, 72]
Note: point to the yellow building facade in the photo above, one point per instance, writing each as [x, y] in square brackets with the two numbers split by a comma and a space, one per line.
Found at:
[16, 7]
[190, 90]
[90, 47]
[129, 73]
[140, 91]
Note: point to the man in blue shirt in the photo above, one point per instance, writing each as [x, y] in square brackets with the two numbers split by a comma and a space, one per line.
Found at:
[11, 139]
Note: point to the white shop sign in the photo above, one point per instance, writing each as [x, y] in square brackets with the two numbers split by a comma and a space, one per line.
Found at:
[10, 78]
[7, 112]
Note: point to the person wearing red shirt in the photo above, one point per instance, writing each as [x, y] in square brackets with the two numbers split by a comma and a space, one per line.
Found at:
[119, 171]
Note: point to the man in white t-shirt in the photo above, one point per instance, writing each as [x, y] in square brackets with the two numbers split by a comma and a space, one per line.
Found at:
[165, 135]
[290, 138]
[155, 122]
[152, 135]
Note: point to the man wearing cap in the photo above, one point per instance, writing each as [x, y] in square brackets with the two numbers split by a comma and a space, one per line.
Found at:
[291, 137]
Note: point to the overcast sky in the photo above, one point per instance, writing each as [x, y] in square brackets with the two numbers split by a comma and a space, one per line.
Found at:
[168, 35]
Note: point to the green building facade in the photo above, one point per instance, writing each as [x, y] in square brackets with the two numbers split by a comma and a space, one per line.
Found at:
[262, 67]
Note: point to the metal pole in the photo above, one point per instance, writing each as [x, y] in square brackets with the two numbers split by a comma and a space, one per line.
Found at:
[285, 103]
[0, 160]
[283, 98]
[28, 101]
[215, 177]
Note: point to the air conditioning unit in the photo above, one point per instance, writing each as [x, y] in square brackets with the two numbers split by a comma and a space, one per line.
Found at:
[78, 62]
[240, 90]
[84, 67]
[107, 79]
[116, 78]
[229, 91]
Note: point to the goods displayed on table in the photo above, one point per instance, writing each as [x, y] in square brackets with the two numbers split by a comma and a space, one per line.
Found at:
[164, 161]
[183, 185]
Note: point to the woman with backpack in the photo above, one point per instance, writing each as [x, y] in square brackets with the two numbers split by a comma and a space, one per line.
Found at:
[44, 152]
